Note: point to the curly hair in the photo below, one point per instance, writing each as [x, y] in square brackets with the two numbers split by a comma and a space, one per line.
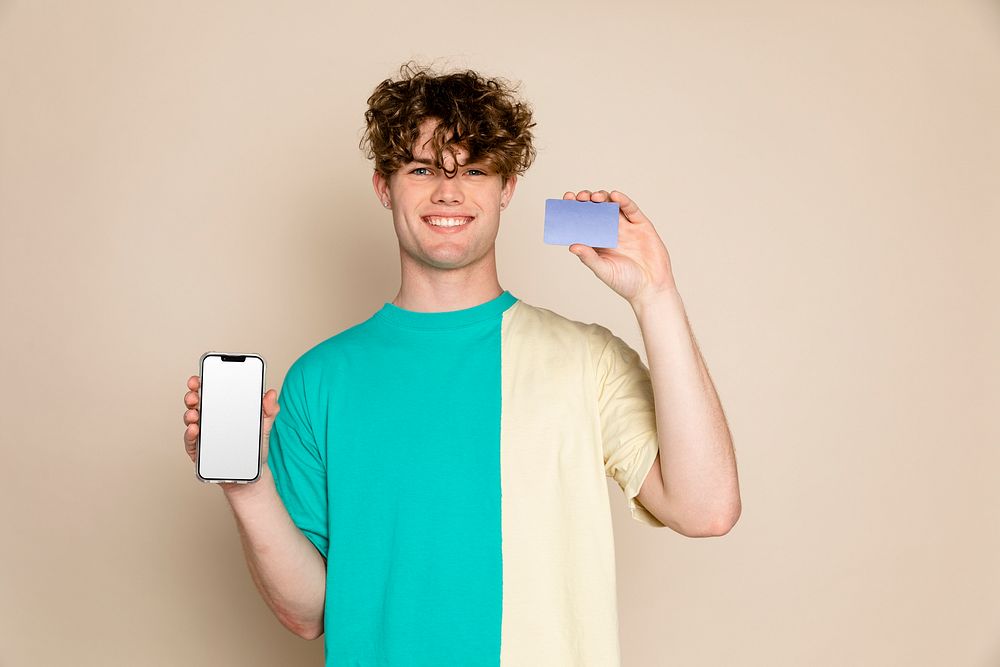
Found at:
[481, 114]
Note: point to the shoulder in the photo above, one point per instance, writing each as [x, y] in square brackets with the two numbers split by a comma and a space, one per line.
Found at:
[536, 322]
[331, 351]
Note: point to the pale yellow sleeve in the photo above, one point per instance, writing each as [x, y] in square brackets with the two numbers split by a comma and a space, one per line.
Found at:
[628, 420]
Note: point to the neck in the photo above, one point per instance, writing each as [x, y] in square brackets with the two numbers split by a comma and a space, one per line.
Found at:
[430, 289]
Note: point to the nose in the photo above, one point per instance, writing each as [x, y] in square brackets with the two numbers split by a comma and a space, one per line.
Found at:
[447, 191]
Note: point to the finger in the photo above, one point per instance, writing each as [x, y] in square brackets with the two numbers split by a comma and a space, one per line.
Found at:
[600, 195]
[271, 406]
[271, 409]
[191, 399]
[628, 207]
[587, 255]
[194, 382]
[191, 435]
[190, 416]
[583, 195]
[569, 195]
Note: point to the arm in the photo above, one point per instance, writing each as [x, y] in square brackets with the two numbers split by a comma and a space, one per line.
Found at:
[693, 483]
[285, 566]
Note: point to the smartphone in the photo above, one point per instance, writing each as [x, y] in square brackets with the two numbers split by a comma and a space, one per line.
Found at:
[229, 418]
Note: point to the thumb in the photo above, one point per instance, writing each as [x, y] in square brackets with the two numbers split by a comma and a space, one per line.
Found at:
[587, 255]
[271, 409]
[271, 406]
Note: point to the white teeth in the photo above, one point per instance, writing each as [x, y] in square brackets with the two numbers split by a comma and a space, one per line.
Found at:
[447, 222]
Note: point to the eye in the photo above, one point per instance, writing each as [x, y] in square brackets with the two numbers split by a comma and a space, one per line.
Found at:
[420, 169]
[479, 172]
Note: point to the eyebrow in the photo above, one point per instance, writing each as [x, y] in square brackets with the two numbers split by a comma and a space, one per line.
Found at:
[480, 163]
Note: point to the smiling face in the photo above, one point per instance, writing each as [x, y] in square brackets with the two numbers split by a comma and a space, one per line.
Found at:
[444, 222]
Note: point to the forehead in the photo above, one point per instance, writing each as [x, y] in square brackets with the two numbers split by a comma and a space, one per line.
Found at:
[422, 150]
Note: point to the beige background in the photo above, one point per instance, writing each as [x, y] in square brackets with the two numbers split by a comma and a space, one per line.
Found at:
[184, 176]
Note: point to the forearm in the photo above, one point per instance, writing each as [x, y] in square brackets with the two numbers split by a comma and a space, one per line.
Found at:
[697, 460]
[285, 566]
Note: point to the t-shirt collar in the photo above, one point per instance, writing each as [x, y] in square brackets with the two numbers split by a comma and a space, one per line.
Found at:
[447, 319]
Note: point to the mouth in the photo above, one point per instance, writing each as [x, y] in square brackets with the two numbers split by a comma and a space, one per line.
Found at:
[447, 223]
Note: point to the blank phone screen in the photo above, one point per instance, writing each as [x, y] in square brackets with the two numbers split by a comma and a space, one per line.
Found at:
[231, 393]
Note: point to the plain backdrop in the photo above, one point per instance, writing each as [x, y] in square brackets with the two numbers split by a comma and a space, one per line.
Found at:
[182, 176]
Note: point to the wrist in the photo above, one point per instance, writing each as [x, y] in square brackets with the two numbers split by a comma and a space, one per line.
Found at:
[657, 299]
[237, 492]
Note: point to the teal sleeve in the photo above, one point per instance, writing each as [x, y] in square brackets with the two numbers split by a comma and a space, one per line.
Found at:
[297, 464]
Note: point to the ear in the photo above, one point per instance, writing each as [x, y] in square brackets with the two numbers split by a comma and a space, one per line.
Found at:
[507, 191]
[381, 185]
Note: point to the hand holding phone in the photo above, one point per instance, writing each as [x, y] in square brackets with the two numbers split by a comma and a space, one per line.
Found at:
[228, 418]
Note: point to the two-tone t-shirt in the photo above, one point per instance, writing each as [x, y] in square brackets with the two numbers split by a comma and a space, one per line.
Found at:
[450, 467]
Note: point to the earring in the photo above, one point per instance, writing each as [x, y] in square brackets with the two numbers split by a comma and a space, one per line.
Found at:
[386, 204]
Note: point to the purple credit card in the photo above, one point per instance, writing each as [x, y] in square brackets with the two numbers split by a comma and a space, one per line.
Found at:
[568, 221]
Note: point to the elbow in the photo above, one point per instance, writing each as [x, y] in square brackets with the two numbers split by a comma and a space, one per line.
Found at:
[313, 633]
[306, 631]
[717, 527]
[302, 621]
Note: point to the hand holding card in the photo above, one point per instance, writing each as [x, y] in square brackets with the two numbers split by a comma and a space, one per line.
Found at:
[634, 262]
[568, 221]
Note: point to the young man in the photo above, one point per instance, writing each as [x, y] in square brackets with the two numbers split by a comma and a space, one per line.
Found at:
[435, 489]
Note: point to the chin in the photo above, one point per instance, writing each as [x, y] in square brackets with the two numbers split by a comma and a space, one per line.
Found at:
[457, 259]
[447, 264]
